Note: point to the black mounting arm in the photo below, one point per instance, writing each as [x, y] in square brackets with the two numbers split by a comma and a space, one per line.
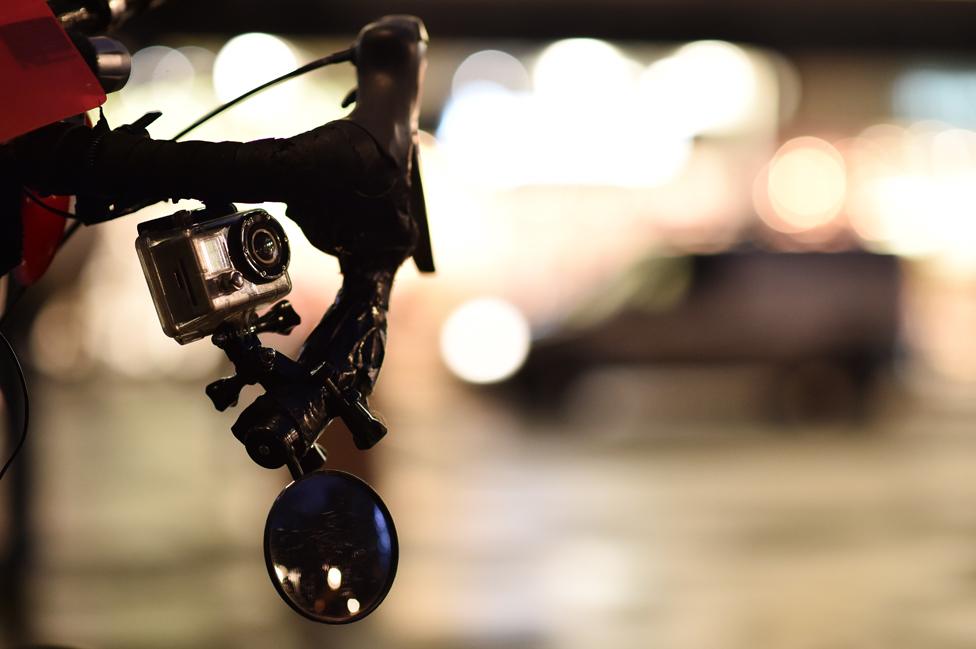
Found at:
[282, 426]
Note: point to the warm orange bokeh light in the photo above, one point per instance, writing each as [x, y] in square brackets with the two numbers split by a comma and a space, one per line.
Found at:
[804, 186]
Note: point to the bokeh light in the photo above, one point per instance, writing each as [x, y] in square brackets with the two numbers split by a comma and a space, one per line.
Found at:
[491, 66]
[485, 340]
[334, 578]
[913, 192]
[706, 87]
[584, 71]
[581, 124]
[249, 60]
[805, 184]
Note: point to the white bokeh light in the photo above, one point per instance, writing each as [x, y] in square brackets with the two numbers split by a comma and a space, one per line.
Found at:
[485, 340]
[704, 87]
[584, 70]
[580, 125]
[249, 60]
[913, 192]
[491, 66]
[806, 185]
[481, 127]
[144, 64]
[334, 578]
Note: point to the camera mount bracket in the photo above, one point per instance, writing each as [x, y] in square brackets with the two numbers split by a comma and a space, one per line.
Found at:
[254, 363]
[310, 399]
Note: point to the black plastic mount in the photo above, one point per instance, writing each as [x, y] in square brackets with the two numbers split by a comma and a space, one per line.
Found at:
[297, 405]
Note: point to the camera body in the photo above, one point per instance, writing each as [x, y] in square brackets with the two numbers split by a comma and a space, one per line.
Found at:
[205, 268]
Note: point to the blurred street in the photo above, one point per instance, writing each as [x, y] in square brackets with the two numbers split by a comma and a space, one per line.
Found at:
[647, 525]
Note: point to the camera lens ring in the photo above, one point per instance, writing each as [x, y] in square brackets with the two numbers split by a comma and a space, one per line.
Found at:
[264, 245]
[259, 247]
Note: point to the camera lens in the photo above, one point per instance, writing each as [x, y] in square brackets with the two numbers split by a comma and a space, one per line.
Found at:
[265, 247]
[259, 247]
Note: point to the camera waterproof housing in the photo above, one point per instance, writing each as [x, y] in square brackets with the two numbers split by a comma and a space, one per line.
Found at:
[206, 267]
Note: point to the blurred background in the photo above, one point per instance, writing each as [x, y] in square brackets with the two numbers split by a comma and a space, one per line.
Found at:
[696, 370]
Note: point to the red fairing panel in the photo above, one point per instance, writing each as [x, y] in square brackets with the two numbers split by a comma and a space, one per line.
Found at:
[42, 76]
[42, 236]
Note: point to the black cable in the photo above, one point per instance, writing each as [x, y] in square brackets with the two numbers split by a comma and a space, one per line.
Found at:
[74, 227]
[338, 57]
[15, 363]
[50, 208]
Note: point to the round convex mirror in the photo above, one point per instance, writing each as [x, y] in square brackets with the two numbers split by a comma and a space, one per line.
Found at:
[331, 547]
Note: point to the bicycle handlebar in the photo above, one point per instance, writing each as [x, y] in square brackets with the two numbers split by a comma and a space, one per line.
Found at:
[352, 185]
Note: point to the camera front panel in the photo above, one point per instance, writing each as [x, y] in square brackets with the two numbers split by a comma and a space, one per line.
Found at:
[198, 274]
